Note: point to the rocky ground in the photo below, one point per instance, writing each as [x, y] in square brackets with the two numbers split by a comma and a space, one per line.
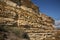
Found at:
[21, 20]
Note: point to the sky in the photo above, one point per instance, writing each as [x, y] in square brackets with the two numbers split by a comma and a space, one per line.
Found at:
[50, 8]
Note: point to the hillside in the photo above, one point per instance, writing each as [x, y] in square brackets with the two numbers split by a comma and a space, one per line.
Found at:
[21, 20]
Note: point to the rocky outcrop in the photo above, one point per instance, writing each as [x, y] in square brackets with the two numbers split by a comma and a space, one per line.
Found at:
[18, 15]
[58, 35]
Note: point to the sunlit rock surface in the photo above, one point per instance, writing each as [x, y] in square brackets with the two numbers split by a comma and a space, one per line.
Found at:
[21, 20]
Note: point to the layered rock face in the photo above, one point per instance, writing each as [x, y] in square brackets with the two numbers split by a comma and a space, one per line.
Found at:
[23, 15]
[58, 35]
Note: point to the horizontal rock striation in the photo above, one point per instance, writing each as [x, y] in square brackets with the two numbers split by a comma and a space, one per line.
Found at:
[24, 15]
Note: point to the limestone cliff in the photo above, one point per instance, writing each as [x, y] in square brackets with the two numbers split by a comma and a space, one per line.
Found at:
[23, 15]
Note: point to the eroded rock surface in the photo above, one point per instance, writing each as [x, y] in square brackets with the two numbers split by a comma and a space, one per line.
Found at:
[23, 21]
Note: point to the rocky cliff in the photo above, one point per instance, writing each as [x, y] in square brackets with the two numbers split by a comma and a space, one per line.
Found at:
[21, 20]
